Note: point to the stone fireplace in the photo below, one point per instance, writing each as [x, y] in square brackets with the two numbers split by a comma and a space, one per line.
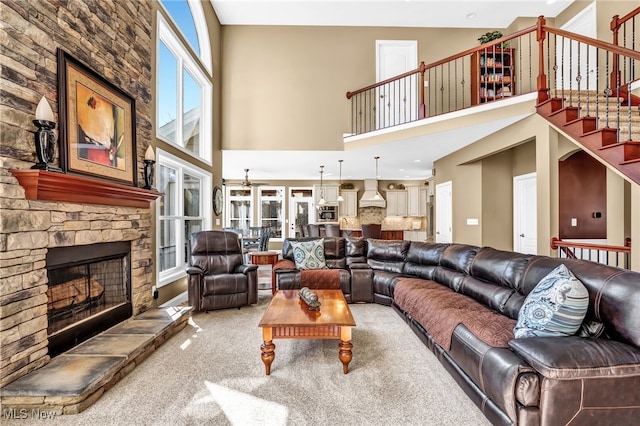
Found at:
[89, 291]
[52, 230]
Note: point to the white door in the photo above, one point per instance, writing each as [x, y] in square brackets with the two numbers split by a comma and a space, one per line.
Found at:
[444, 213]
[397, 102]
[525, 236]
[300, 212]
[574, 57]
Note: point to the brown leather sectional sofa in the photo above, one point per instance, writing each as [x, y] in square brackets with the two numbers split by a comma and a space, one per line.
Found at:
[590, 378]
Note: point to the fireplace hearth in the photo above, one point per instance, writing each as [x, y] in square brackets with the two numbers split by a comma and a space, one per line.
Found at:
[89, 291]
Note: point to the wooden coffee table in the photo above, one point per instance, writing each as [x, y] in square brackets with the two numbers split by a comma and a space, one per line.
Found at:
[288, 317]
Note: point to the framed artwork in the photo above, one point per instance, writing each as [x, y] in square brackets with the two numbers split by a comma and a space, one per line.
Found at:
[97, 124]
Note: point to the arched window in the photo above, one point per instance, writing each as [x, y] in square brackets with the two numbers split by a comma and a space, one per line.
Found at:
[184, 93]
[184, 96]
[188, 16]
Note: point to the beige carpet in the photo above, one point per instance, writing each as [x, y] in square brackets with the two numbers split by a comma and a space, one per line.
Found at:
[211, 374]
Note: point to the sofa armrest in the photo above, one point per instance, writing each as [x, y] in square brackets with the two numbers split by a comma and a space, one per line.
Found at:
[195, 270]
[284, 265]
[575, 357]
[245, 269]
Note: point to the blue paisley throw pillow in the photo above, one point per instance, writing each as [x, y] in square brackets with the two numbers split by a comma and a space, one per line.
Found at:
[309, 254]
[555, 307]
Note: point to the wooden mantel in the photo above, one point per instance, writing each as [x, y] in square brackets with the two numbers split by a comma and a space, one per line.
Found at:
[53, 186]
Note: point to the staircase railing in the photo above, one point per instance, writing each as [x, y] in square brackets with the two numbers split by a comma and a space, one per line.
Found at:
[440, 87]
[571, 68]
[624, 34]
[619, 256]
[577, 73]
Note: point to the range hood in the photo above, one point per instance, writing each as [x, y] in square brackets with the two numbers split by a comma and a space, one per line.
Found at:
[368, 198]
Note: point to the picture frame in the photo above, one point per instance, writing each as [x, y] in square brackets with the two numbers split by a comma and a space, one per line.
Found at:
[97, 130]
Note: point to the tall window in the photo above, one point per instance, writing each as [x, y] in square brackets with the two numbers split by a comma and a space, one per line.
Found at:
[184, 95]
[189, 18]
[239, 208]
[271, 201]
[182, 210]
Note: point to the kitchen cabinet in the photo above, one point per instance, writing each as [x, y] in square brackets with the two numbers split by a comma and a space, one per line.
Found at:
[416, 200]
[349, 207]
[397, 203]
[392, 235]
[330, 194]
[492, 75]
[415, 235]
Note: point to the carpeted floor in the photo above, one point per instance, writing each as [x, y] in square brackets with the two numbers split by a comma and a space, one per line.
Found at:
[211, 373]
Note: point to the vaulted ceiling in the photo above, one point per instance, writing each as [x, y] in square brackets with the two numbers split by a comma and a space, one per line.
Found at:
[397, 160]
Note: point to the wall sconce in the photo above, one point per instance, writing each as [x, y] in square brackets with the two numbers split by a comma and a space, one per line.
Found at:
[45, 138]
[149, 161]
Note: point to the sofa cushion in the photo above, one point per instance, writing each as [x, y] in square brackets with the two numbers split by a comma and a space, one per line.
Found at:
[309, 254]
[320, 279]
[555, 307]
[439, 310]
[355, 250]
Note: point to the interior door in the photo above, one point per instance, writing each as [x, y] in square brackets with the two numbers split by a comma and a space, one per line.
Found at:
[525, 230]
[397, 103]
[573, 57]
[300, 210]
[444, 213]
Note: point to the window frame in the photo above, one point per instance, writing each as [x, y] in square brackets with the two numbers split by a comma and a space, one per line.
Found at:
[228, 198]
[202, 31]
[186, 62]
[182, 167]
[280, 198]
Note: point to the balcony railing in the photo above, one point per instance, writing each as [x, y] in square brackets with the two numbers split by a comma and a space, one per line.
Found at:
[581, 72]
[618, 256]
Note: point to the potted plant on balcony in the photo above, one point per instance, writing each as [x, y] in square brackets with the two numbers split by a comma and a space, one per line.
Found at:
[490, 36]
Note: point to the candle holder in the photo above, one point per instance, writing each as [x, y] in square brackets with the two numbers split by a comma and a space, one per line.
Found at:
[148, 174]
[45, 141]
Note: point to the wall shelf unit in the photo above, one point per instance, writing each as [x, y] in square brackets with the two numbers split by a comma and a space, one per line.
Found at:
[492, 75]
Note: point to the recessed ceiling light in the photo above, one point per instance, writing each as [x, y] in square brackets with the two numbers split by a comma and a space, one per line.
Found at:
[551, 1]
[416, 161]
[471, 15]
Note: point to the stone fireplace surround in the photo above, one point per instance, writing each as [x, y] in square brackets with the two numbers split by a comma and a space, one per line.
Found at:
[31, 222]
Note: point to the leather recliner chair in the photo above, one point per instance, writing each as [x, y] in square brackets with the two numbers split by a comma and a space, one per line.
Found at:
[218, 278]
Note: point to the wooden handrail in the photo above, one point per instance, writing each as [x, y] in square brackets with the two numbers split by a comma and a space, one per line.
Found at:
[556, 243]
[618, 50]
[616, 23]
[421, 69]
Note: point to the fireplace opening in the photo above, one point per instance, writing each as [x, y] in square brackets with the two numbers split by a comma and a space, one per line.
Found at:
[89, 291]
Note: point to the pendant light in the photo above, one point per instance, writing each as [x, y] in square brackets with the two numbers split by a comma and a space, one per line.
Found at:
[322, 200]
[340, 198]
[377, 196]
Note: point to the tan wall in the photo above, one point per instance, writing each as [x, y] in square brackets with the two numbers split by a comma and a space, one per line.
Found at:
[497, 200]
[482, 176]
[285, 87]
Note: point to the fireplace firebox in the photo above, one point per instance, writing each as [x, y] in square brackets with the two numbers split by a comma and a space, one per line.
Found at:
[89, 291]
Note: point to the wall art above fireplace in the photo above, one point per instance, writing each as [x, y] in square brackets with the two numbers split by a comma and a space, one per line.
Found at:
[97, 124]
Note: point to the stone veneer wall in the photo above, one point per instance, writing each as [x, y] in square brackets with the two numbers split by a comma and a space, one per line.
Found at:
[114, 38]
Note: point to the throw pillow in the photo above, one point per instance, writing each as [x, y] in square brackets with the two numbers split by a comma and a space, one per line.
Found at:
[309, 254]
[555, 307]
